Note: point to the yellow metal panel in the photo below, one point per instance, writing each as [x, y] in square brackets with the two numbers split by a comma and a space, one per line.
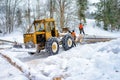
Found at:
[48, 35]
[56, 33]
[49, 20]
[39, 32]
[34, 38]
[44, 20]
[28, 37]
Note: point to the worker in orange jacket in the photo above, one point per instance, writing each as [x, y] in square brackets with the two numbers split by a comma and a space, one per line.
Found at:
[74, 37]
[73, 34]
[81, 28]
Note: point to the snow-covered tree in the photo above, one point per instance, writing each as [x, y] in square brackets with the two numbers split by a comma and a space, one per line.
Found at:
[10, 11]
[108, 13]
[19, 17]
[82, 7]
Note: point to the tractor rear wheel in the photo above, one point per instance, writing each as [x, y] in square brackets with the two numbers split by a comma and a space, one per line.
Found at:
[52, 46]
[67, 42]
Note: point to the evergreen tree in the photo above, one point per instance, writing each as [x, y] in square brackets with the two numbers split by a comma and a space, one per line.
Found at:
[82, 7]
[108, 13]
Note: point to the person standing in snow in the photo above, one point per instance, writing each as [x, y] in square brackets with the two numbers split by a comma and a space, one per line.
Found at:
[74, 37]
[81, 28]
[73, 34]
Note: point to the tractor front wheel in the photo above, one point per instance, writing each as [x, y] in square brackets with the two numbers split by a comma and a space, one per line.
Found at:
[52, 46]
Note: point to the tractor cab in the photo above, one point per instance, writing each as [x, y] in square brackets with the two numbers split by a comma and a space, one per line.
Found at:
[40, 28]
[40, 31]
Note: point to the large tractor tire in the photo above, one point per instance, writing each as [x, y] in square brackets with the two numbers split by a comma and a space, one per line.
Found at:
[67, 42]
[52, 46]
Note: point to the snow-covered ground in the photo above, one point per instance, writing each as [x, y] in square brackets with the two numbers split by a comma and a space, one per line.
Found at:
[8, 72]
[98, 61]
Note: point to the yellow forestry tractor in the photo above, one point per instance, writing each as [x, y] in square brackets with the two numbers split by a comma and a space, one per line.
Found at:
[42, 34]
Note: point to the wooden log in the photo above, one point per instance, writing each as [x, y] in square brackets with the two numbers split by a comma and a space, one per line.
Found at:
[79, 38]
[27, 71]
[94, 40]
[1, 40]
[57, 78]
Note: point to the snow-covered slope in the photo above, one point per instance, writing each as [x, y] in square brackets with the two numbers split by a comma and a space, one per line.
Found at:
[92, 29]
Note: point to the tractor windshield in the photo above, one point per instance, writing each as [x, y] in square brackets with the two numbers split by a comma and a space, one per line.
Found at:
[39, 27]
[50, 26]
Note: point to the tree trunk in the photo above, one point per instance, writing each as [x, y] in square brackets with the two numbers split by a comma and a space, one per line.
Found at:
[38, 9]
[51, 8]
[62, 17]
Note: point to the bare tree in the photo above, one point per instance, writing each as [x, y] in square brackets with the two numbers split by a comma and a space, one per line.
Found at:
[10, 6]
[62, 5]
[64, 12]
[28, 12]
[19, 17]
[52, 8]
[38, 9]
[2, 13]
